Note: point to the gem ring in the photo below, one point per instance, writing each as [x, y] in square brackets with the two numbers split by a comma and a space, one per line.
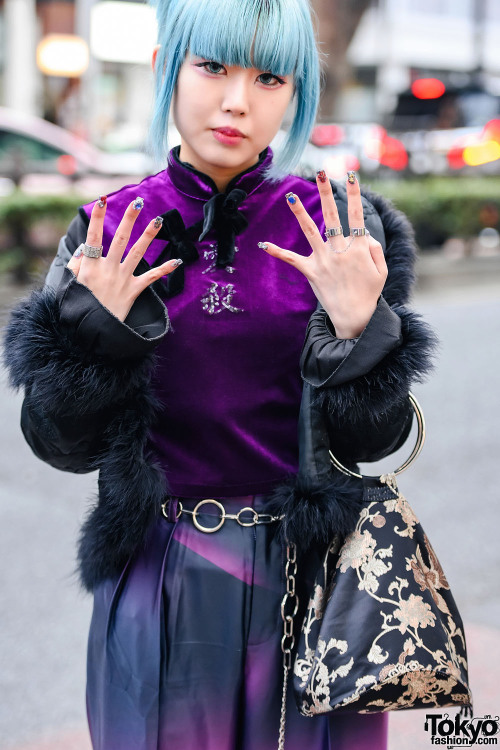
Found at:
[91, 251]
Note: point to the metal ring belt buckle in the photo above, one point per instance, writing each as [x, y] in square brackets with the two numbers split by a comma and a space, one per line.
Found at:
[165, 511]
[256, 519]
[209, 529]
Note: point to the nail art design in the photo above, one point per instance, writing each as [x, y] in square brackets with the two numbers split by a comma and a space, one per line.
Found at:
[103, 199]
[263, 245]
[321, 174]
[138, 204]
[351, 177]
[158, 222]
[78, 251]
[177, 262]
[290, 198]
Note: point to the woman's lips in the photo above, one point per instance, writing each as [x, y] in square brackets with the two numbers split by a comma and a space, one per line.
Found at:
[228, 136]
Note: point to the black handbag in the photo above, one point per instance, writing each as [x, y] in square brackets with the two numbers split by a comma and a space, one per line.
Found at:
[381, 631]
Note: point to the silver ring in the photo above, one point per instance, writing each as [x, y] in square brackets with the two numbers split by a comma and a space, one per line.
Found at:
[334, 232]
[359, 232]
[90, 251]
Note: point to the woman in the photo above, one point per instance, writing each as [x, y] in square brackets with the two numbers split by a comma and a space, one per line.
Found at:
[202, 403]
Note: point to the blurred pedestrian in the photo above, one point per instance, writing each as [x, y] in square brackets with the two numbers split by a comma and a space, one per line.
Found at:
[191, 416]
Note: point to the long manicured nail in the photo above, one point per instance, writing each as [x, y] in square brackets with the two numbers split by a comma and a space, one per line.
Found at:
[78, 251]
[351, 177]
[177, 262]
[290, 198]
[158, 222]
[262, 245]
[321, 175]
[103, 199]
[138, 204]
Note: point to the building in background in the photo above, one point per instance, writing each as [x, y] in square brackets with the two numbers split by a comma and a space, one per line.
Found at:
[109, 100]
[400, 41]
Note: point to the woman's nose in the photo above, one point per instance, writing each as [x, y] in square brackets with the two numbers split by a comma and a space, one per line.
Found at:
[236, 97]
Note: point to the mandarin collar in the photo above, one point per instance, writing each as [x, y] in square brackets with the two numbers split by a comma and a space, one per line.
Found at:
[198, 185]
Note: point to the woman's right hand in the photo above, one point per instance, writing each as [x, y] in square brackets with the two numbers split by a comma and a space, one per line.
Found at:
[109, 278]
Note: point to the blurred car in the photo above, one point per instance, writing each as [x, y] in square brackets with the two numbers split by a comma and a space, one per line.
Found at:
[35, 153]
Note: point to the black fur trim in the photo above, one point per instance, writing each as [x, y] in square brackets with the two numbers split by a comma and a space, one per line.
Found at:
[131, 489]
[313, 514]
[66, 380]
[368, 397]
[401, 249]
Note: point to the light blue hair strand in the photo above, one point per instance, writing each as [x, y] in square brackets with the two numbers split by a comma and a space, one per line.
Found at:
[282, 35]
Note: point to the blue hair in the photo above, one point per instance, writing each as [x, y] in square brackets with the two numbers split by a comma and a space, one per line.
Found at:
[272, 35]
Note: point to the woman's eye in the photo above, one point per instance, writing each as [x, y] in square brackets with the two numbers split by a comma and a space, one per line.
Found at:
[209, 65]
[270, 79]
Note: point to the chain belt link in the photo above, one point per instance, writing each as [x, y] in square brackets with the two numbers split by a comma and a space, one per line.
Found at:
[290, 601]
[255, 520]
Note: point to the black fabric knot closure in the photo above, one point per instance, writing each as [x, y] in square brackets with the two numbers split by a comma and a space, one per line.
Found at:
[180, 245]
[221, 213]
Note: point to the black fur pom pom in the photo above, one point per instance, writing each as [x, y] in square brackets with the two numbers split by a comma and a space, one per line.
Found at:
[313, 514]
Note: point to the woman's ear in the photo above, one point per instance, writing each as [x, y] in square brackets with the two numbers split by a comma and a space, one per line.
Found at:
[155, 52]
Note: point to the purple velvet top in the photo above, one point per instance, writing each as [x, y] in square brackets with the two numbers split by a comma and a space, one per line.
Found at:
[228, 372]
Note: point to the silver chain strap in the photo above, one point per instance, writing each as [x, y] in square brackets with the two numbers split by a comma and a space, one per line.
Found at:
[289, 602]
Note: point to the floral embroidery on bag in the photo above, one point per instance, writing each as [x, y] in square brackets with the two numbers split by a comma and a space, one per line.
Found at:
[409, 674]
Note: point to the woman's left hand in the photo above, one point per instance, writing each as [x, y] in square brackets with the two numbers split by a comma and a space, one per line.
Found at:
[347, 274]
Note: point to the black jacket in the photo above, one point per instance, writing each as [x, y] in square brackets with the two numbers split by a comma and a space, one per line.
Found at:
[89, 403]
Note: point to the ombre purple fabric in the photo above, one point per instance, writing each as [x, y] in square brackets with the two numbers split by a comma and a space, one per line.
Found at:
[184, 647]
[229, 382]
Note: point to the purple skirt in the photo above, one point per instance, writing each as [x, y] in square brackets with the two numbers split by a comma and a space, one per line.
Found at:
[184, 649]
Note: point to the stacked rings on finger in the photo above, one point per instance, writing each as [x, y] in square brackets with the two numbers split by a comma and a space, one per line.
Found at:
[333, 232]
[90, 251]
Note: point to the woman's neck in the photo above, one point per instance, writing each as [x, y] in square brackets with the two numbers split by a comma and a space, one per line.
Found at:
[222, 176]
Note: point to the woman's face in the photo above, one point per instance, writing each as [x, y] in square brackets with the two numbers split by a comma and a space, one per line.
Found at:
[210, 96]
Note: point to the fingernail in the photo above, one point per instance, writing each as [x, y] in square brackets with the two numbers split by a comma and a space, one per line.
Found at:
[263, 245]
[290, 198]
[103, 199]
[158, 222]
[321, 175]
[177, 262]
[78, 251]
[138, 204]
[351, 177]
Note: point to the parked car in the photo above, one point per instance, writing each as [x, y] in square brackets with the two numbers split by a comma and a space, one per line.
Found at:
[34, 152]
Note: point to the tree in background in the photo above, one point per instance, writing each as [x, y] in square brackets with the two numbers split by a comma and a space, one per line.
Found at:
[337, 23]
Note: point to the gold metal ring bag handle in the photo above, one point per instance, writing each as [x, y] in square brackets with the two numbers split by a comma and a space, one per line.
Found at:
[411, 458]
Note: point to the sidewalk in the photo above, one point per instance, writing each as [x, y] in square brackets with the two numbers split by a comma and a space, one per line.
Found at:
[406, 728]
[440, 273]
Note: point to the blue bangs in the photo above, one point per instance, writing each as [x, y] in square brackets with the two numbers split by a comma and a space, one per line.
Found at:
[274, 36]
[249, 34]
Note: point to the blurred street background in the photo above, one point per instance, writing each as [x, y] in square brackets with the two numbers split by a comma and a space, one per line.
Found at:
[411, 101]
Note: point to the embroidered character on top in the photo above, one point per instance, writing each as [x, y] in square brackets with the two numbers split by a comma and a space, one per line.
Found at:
[218, 297]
